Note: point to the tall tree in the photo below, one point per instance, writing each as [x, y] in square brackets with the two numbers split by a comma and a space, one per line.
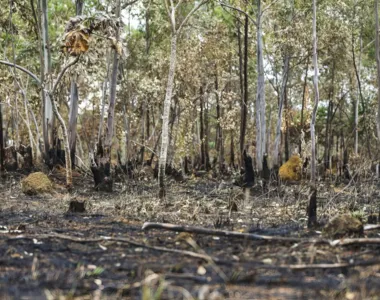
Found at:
[260, 95]
[316, 95]
[171, 10]
[48, 116]
[377, 49]
[73, 113]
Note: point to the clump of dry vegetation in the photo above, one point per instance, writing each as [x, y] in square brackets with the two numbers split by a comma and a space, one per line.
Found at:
[342, 226]
[291, 170]
[36, 183]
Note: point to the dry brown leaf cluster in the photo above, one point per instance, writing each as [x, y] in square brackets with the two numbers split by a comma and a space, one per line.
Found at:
[76, 42]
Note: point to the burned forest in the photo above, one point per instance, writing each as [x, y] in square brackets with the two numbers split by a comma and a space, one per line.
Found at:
[189, 149]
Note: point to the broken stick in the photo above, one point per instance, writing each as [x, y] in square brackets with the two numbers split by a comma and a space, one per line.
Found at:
[215, 232]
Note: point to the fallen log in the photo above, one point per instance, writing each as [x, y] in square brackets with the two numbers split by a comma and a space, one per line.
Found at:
[251, 236]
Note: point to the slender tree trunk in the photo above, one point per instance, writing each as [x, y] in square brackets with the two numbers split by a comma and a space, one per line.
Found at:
[327, 135]
[368, 140]
[102, 171]
[207, 134]
[356, 118]
[316, 94]
[244, 103]
[241, 81]
[104, 95]
[260, 99]
[48, 119]
[232, 146]
[73, 115]
[280, 110]
[169, 88]
[329, 120]
[201, 128]
[377, 48]
[166, 112]
[219, 131]
[142, 131]
[51, 93]
[303, 106]
[112, 101]
[73, 111]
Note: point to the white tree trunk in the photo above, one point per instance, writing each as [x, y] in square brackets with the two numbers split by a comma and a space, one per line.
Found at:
[316, 94]
[377, 47]
[260, 98]
[74, 98]
[73, 114]
[280, 110]
[112, 103]
[166, 112]
[357, 100]
[48, 110]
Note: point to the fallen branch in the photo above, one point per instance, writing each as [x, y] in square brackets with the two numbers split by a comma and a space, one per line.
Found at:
[358, 241]
[121, 240]
[215, 232]
[331, 266]
[371, 227]
[251, 236]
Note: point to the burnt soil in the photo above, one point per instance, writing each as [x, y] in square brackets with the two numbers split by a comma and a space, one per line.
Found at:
[48, 253]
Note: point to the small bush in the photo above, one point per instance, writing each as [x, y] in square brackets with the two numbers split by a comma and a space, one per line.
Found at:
[36, 183]
[343, 226]
[291, 170]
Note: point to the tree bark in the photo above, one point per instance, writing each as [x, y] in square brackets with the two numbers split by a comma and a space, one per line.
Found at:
[260, 99]
[329, 120]
[102, 171]
[280, 110]
[303, 106]
[171, 11]
[377, 48]
[207, 131]
[104, 95]
[48, 119]
[356, 117]
[201, 128]
[73, 110]
[219, 131]
[73, 115]
[165, 116]
[316, 94]
[244, 102]
[368, 139]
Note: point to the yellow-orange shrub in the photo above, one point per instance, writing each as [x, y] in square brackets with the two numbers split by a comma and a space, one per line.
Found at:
[291, 170]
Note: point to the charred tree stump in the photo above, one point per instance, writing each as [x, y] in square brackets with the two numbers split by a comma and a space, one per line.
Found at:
[27, 158]
[102, 176]
[77, 207]
[346, 170]
[249, 175]
[312, 209]
[10, 159]
[186, 165]
[101, 170]
[265, 173]
[56, 156]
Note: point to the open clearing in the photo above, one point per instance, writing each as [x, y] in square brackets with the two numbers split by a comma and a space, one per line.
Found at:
[48, 253]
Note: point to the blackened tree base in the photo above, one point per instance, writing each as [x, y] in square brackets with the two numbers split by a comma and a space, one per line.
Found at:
[102, 177]
[10, 159]
[312, 209]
